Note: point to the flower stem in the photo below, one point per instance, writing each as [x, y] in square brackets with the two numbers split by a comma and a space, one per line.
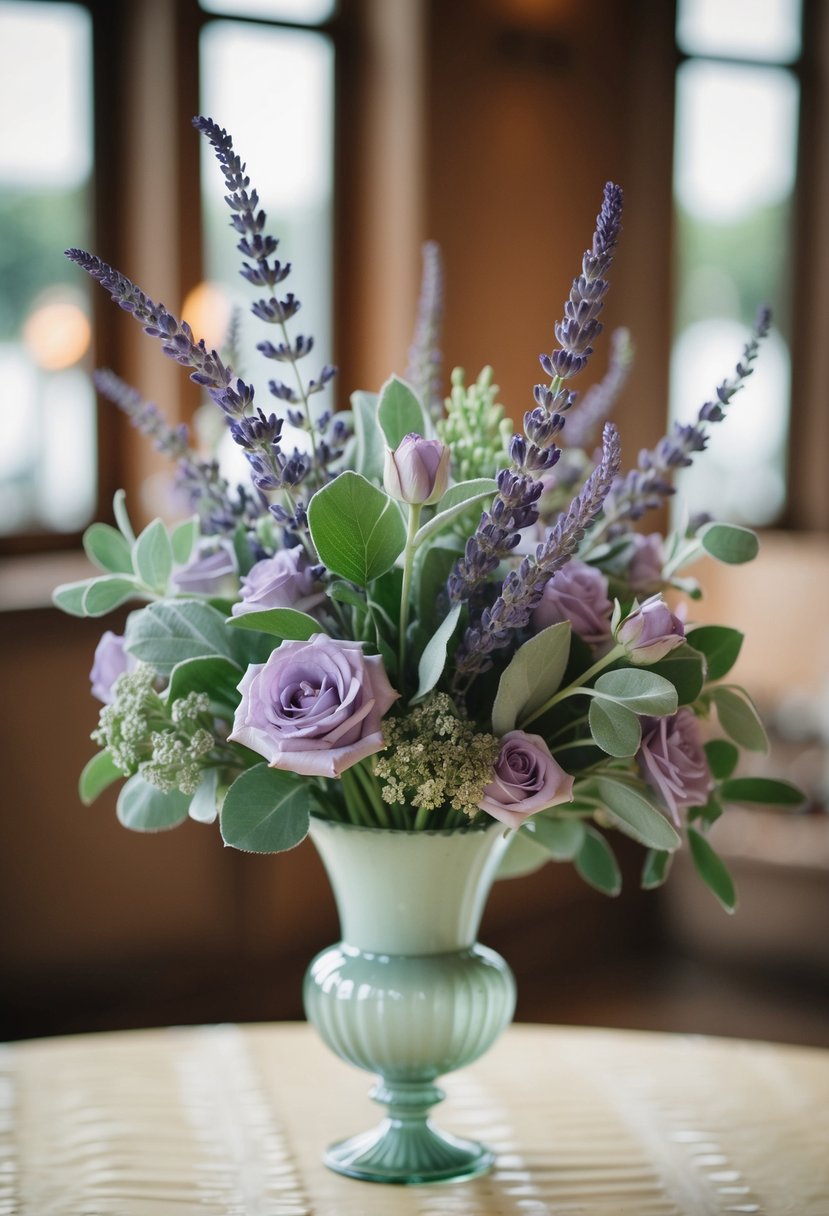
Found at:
[577, 686]
[408, 562]
[365, 778]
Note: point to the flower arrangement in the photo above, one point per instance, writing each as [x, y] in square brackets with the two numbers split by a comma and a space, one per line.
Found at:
[414, 618]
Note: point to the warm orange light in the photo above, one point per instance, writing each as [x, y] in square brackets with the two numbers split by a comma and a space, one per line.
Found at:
[206, 309]
[57, 333]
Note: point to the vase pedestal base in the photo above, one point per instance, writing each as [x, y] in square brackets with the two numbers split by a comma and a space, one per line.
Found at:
[407, 1155]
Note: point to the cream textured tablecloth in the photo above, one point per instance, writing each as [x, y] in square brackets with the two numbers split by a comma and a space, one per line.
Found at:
[231, 1120]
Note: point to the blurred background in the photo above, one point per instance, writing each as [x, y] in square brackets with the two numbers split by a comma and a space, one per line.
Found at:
[369, 126]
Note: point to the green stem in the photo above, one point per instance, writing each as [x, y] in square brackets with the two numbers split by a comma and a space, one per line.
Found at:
[365, 778]
[354, 800]
[422, 818]
[408, 561]
[577, 686]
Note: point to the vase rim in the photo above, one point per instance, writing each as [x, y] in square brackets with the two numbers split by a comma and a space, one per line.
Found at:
[471, 830]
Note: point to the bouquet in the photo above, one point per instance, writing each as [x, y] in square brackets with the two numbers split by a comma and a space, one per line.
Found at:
[412, 618]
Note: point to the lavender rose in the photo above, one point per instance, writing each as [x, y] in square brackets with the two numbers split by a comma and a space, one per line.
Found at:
[110, 661]
[285, 580]
[650, 632]
[644, 571]
[210, 571]
[417, 471]
[577, 593]
[314, 707]
[526, 779]
[672, 760]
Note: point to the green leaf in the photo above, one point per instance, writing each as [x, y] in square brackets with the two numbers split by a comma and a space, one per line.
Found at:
[344, 593]
[720, 645]
[399, 412]
[108, 592]
[146, 808]
[455, 501]
[216, 675]
[369, 450]
[643, 692]
[656, 868]
[285, 623]
[763, 790]
[614, 728]
[182, 539]
[98, 773]
[357, 530]
[563, 838]
[637, 816]
[597, 865]
[152, 555]
[739, 719]
[522, 857]
[432, 568]
[712, 870]
[203, 806]
[722, 758]
[685, 669]
[433, 659]
[729, 543]
[69, 597]
[122, 519]
[107, 548]
[165, 633]
[533, 675]
[266, 811]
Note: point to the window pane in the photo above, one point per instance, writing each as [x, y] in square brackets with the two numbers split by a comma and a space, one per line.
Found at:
[272, 89]
[745, 29]
[735, 160]
[47, 426]
[307, 12]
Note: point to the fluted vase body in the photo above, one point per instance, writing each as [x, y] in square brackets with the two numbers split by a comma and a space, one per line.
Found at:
[408, 994]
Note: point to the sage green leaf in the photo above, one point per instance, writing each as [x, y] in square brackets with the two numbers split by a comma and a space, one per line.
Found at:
[357, 530]
[597, 865]
[656, 868]
[203, 805]
[182, 539]
[399, 412]
[370, 447]
[146, 808]
[614, 728]
[712, 870]
[69, 597]
[266, 810]
[532, 677]
[107, 548]
[432, 568]
[720, 645]
[562, 838]
[152, 556]
[763, 790]
[216, 675]
[122, 519]
[285, 623]
[641, 691]
[165, 633]
[455, 501]
[722, 758]
[108, 592]
[637, 817]
[98, 773]
[685, 668]
[729, 543]
[524, 856]
[739, 719]
[345, 593]
[433, 659]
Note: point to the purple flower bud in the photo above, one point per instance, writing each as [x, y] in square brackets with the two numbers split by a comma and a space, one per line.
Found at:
[417, 471]
[650, 632]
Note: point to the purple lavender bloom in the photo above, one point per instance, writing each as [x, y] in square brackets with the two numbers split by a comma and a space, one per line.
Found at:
[596, 406]
[423, 371]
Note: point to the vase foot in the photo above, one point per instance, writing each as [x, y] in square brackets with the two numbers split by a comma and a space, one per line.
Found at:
[408, 1154]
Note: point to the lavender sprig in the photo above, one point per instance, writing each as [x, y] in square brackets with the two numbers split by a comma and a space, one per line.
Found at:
[424, 369]
[523, 587]
[648, 485]
[596, 406]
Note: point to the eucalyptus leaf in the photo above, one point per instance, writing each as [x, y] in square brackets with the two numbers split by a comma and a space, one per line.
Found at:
[643, 692]
[285, 623]
[739, 719]
[720, 645]
[523, 856]
[369, 447]
[729, 543]
[656, 868]
[345, 593]
[266, 810]
[455, 501]
[109, 591]
[399, 412]
[215, 675]
[203, 805]
[597, 865]
[532, 677]
[98, 774]
[165, 633]
[146, 808]
[614, 728]
[107, 548]
[712, 870]
[722, 758]
[685, 668]
[637, 816]
[152, 556]
[357, 530]
[562, 838]
[183, 538]
[763, 790]
[433, 659]
[432, 568]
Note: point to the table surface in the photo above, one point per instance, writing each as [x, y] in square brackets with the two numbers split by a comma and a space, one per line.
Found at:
[232, 1120]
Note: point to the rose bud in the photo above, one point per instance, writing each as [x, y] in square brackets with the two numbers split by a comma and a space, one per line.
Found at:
[417, 471]
[650, 632]
[525, 779]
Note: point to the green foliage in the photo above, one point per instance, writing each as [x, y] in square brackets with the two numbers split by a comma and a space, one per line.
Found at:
[597, 865]
[399, 412]
[722, 758]
[152, 556]
[637, 816]
[712, 870]
[720, 646]
[215, 675]
[532, 677]
[685, 669]
[656, 868]
[146, 808]
[266, 810]
[455, 502]
[763, 790]
[729, 543]
[165, 633]
[183, 539]
[562, 838]
[739, 719]
[524, 856]
[614, 728]
[285, 623]
[475, 427]
[643, 692]
[98, 774]
[433, 658]
[108, 549]
[104, 594]
[357, 529]
[369, 446]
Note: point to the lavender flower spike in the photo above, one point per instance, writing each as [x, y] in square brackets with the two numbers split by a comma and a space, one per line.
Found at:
[423, 372]
[595, 407]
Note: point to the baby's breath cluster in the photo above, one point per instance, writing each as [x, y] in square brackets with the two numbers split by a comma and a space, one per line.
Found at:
[436, 762]
[475, 427]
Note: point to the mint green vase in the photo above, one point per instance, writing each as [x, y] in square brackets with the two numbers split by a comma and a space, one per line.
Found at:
[408, 994]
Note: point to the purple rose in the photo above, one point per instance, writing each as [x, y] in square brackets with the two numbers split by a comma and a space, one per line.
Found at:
[111, 661]
[644, 571]
[526, 779]
[650, 632]
[672, 760]
[210, 571]
[577, 593]
[417, 471]
[282, 581]
[314, 707]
